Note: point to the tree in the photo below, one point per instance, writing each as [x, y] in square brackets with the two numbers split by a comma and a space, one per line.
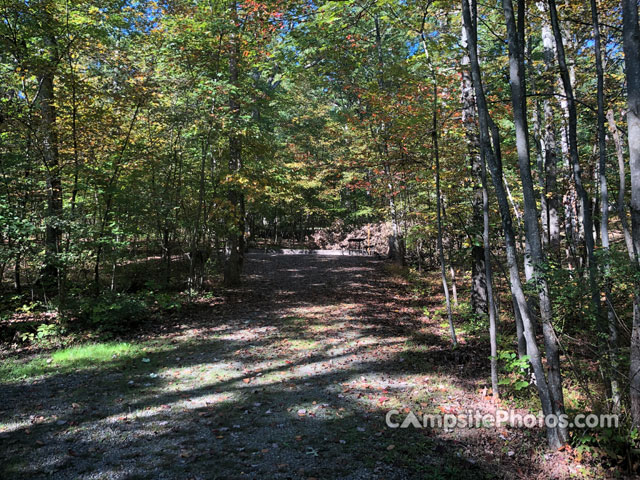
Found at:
[515, 35]
[631, 33]
[233, 265]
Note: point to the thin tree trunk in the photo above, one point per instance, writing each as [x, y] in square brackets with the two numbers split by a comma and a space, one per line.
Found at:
[479, 288]
[194, 264]
[17, 283]
[521, 341]
[622, 185]
[548, 170]
[74, 136]
[396, 242]
[454, 288]
[540, 154]
[497, 152]
[585, 201]
[493, 312]
[436, 154]
[109, 201]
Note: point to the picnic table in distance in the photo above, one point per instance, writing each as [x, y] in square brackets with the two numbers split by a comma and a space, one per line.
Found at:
[355, 244]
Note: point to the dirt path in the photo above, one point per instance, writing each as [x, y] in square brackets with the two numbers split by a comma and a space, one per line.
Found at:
[288, 377]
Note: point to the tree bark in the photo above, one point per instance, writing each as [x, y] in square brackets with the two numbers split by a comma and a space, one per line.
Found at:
[612, 326]
[479, 287]
[550, 147]
[436, 155]
[585, 201]
[234, 260]
[49, 137]
[493, 312]
[631, 47]
[530, 213]
[622, 183]
[396, 241]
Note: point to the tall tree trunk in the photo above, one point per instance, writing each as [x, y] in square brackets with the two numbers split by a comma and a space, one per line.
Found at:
[194, 263]
[436, 155]
[550, 146]
[396, 241]
[479, 288]
[622, 183]
[631, 46]
[234, 261]
[521, 341]
[49, 137]
[538, 138]
[585, 201]
[493, 312]
[554, 437]
[612, 326]
[569, 198]
[550, 167]
[17, 283]
[74, 136]
[530, 214]
[497, 152]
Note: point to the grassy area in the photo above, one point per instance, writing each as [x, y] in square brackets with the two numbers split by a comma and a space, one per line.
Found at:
[72, 359]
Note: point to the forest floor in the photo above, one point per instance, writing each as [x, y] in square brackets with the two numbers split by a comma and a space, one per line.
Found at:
[289, 376]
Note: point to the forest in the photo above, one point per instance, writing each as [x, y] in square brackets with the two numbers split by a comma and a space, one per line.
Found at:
[235, 234]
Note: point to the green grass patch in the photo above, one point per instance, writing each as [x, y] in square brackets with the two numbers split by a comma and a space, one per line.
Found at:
[295, 321]
[67, 360]
[303, 344]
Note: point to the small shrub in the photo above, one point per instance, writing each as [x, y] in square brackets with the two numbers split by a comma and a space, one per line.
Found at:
[111, 313]
[516, 370]
[165, 301]
[617, 445]
[44, 335]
